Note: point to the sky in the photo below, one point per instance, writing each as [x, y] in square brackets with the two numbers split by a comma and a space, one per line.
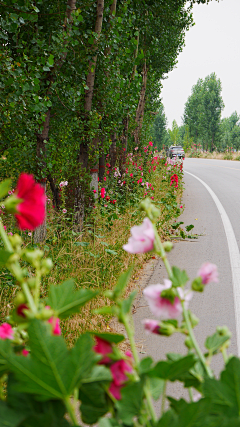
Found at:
[211, 45]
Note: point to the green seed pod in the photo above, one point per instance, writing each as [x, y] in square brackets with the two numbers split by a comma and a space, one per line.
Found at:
[31, 282]
[168, 246]
[46, 266]
[19, 299]
[188, 343]
[197, 285]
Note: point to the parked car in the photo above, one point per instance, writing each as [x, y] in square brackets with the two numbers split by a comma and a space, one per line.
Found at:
[176, 151]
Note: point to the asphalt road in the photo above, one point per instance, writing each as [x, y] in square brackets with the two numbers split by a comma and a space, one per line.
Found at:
[216, 306]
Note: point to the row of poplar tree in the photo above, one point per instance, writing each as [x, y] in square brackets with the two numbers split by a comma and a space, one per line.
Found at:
[81, 79]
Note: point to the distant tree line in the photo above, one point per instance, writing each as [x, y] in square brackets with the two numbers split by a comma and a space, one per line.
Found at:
[202, 123]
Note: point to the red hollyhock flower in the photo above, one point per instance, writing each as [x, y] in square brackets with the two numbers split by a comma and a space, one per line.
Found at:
[31, 210]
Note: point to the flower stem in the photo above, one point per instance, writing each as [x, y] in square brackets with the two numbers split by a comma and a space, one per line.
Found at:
[71, 411]
[163, 397]
[194, 341]
[149, 401]
[160, 251]
[224, 354]
[130, 334]
[5, 239]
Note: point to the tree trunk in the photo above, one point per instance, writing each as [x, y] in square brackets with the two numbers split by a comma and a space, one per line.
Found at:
[95, 168]
[101, 167]
[141, 105]
[113, 151]
[83, 156]
[42, 138]
[122, 160]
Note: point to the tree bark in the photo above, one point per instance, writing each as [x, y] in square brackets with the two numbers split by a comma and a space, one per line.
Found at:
[113, 151]
[141, 105]
[40, 232]
[101, 167]
[83, 156]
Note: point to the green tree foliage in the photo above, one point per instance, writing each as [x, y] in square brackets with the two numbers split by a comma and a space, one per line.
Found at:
[174, 133]
[230, 132]
[202, 111]
[159, 129]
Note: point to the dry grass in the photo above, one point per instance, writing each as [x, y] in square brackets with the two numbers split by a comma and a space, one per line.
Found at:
[216, 155]
[91, 266]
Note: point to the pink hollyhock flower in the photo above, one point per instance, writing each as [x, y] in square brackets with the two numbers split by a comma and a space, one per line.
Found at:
[64, 210]
[104, 348]
[25, 352]
[119, 370]
[142, 238]
[103, 192]
[151, 326]
[31, 209]
[152, 198]
[107, 172]
[162, 307]
[94, 191]
[181, 207]
[131, 175]
[105, 179]
[150, 143]
[5, 228]
[208, 272]
[115, 390]
[10, 233]
[20, 310]
[6, 332]
[174, 178]
[55, 322]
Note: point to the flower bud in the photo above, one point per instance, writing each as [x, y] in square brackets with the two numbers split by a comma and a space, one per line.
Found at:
[168, 246]
[46, 266]
[188, 343]
[224, 331]
[33, 257]
[11, 203]
[167, 329]
[16, 241]
[151, 210]
[197, 285]
[31, 282]
[46, 313]
[19, 299]
[193, 319]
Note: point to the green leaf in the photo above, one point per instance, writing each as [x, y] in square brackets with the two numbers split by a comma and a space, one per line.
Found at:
[5, 186]
[176, 225]
[122, 283]
[172, 370]
[214, 342]
[189, 227]
[9, 417]
[65, 301]
[195, 414]
[225, 393]
[156, 387]
[131, 402]
[4, 256]
[94, 402]
[169, 418]
[180, 277]
[111, 252]
[145, 365]
[51, 371]
[99, 373]
[84, 244]
[126, 304]
[112, 338]
[51, 60]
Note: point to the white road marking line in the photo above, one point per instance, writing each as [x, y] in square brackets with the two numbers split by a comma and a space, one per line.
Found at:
[233, 254]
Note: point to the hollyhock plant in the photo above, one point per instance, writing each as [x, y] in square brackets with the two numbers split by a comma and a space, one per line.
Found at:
[103, 192]
[6, 332]
[208, 273]
[104, 348]
[142, 238]
[27, 203]
[159, 306]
